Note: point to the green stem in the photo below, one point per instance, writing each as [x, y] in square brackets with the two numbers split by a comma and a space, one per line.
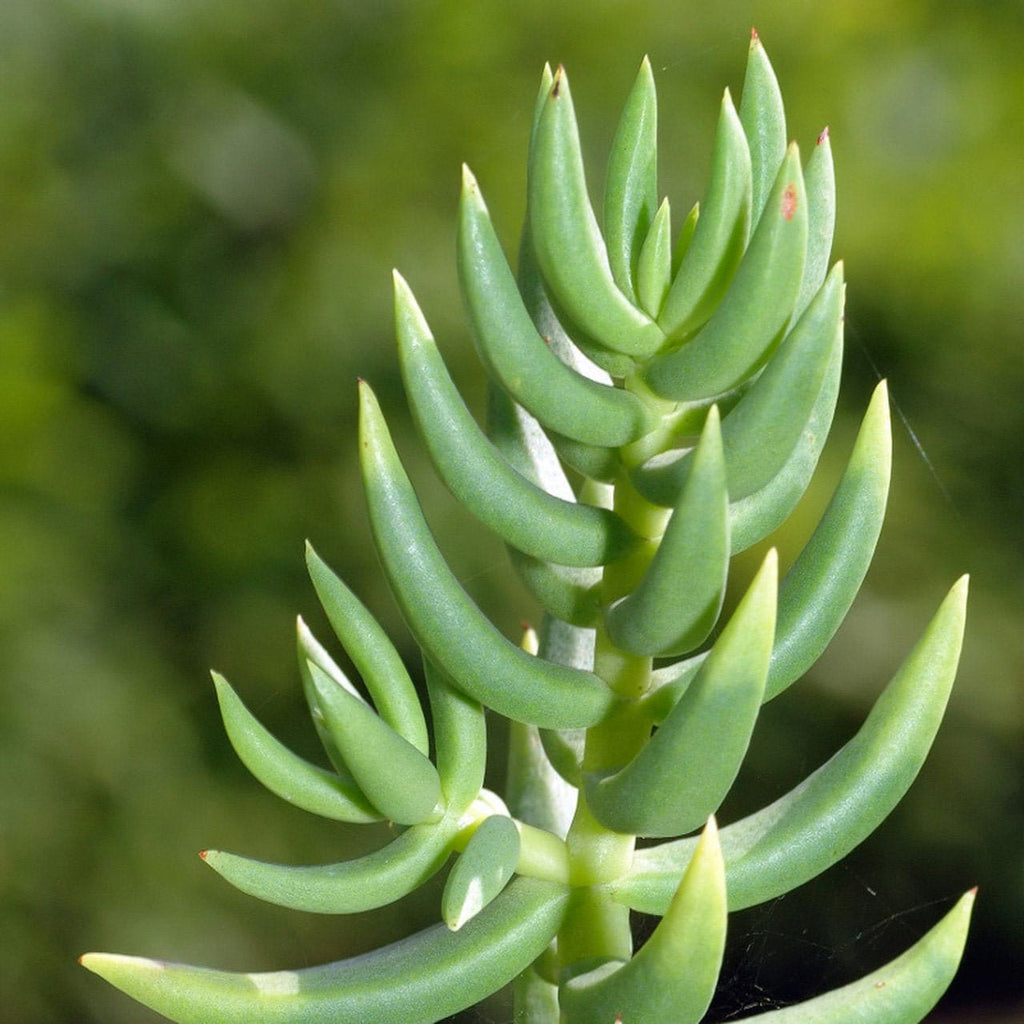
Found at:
[596, 928]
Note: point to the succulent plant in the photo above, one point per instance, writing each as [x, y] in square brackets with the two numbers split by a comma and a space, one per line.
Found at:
[658, 405]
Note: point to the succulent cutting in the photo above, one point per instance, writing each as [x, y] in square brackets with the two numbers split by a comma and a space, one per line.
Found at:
[659, 401]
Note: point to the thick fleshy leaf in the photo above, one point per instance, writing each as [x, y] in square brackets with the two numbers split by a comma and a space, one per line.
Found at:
[566, 240]
[311, 651]
[372, 653]
[570, 594]
[820, 185]
[446, 623]
[522, 514]
[580, 351]
[654, 268]
[397, 779]
[518, 357]
[761, 431]
[631, 184]
[764, 121]
[753, 518]
[460, 739]
[374, 880]
[672, 978]
[711, 257]
[419, 980]
[701, 743]
[484, 868]
[816, 824]
[289, 776]
[752, 316]
[822, 583]
[661, 616]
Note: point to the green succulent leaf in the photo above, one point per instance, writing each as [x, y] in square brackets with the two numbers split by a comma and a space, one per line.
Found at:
[310, 651]
[654, 269]
[659, 616]
[754, 517]
[820, 184]
[701, 742]
[760, 432]
[845, 800]
[483, 481]
[289, 776]
[418, 980]
[822, 583]
[750, 319]
[686, 233]
[397, 779]
[482, 871]
[460, 739]
[673, 976]
[631, 185]
[517, 356]
[373, 654]
[570, 594]
[901, 992]
[376, 879]
[764, 121]
[447, 625]
[708, 261]
[580, 351]
[567, 242]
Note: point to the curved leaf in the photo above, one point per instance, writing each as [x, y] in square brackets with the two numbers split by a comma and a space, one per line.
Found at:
[750, 319]
[522, 514]
[761, 431]
[397, 779]
[374, 880]
[719, 233]
[372, 653]
[286, 774]
[817, 823]
[447, 625]
[566, 240]
[518, 357]
[661, 616]
[764, 121]
[672, 977]
[419, 980]
[654, 268]
[631, 185]
[685, 770]
[484, 868]
[822, 583]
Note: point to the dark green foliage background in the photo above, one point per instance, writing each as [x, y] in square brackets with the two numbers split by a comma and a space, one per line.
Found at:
[200, 204]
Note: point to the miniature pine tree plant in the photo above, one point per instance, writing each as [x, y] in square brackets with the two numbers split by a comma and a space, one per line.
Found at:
[659, 404]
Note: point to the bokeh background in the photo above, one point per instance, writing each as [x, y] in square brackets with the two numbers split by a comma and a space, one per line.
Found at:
[200, 204]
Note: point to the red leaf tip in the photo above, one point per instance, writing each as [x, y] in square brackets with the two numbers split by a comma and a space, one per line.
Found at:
[202, 854]
[823, 137]
[754, 37]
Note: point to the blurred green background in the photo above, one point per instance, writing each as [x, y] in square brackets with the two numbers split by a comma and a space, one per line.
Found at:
[200, 204]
